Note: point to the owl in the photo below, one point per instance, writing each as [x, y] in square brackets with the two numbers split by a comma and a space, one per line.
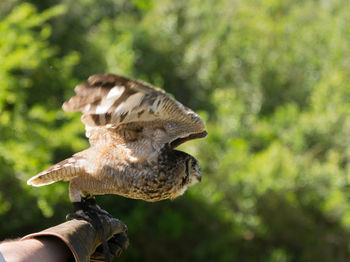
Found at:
[133, 129]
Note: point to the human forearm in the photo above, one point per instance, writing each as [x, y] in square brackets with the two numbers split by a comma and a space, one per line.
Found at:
[35, 249]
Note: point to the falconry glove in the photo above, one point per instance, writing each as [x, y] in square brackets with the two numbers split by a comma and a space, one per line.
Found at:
[84, 239]
[116, 245]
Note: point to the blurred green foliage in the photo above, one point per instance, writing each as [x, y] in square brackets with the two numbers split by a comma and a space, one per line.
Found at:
[270, 77]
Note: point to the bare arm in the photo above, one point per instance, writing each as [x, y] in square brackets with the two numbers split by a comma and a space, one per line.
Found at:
[36, 249]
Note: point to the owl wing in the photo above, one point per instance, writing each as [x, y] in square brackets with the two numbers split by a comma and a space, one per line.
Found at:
[110, 102]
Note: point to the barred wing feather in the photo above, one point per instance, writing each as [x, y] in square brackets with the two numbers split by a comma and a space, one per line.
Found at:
[109, 101]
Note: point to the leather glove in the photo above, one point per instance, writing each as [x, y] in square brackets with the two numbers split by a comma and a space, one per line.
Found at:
[116, 245]
[83, 238]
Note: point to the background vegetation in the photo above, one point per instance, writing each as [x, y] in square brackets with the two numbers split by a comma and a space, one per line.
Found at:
[270, 77]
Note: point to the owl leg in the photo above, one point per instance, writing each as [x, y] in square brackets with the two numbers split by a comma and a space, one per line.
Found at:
[83, 206]
[86, 208]
[74, 191]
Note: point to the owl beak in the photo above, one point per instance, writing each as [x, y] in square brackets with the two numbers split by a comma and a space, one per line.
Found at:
[199, 176]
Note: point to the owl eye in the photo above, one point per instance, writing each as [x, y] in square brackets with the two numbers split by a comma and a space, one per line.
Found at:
[193, 164]
[187, 171]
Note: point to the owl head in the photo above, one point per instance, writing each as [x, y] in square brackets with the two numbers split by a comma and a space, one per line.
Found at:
[189, 174]
[192, 172]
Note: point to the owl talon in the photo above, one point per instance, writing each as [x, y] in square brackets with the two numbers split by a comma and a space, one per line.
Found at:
[80, 215]
[87, 209]
[91, 204]
[81, 212]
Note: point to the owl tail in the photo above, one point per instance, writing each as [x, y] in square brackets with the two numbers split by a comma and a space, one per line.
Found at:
[64, 170]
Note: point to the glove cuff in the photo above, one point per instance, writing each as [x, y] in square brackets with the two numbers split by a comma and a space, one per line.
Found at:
[78, 235]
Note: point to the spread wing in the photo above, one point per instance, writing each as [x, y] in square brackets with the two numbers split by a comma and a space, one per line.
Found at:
[110, 102]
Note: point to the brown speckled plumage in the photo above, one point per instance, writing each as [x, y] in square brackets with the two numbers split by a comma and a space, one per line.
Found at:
[133, 129]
